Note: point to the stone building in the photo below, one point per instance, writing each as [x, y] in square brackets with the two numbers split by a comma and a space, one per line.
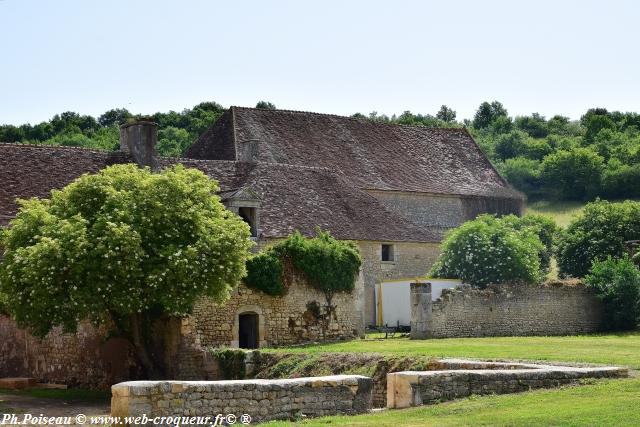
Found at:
[393, 189]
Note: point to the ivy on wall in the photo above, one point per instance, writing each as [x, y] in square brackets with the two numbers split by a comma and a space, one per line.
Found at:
[327, 264]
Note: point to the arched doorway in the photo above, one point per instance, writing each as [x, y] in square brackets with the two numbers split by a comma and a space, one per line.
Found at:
[248, 330]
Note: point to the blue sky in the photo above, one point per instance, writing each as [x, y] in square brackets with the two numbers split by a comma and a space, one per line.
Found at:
[327, 56]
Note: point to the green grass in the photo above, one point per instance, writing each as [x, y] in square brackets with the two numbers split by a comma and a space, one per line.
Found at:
[610, 349]
[602, 403]
[561, 211]
[605, 402]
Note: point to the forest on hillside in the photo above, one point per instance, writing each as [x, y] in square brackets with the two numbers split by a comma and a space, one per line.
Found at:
[554, 158]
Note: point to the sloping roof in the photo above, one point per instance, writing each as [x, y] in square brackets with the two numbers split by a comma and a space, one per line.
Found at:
[34, 170]
[371, 155]
[303, 198]
[291, 197]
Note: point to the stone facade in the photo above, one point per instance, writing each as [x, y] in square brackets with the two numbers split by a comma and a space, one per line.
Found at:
[85, 359]
[289, 319]
[411, 260]
[262, 400]
[88, 359]
[405, 389]
[555, 308]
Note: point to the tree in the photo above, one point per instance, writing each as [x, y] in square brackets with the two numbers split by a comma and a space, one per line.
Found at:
[572, 174]
[535, 125]
[617, 284]
[522, 173]
[487, 113]
[265, 105]
[125, 248]
[488, 250]
[446, 114]
[173, 141]
[597, 233]
[114, 117]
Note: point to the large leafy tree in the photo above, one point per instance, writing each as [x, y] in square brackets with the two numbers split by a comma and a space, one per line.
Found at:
[125, 248]
[487, 113]
[573, 174]
[600, 231]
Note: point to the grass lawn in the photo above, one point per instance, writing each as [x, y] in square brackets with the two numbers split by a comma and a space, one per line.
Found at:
[621, 350]
[606, 402]
[603, 403]
[562, 212]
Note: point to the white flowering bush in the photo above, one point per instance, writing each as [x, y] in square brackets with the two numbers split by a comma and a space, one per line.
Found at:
[124, 248]
[490, 250]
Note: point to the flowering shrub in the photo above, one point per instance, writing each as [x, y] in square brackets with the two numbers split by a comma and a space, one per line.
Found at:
[490, 250]
[597, 233]
[617, 284]
[123, 248]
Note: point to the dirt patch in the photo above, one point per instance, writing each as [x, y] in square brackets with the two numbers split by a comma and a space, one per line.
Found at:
[23, 404]
[279, 365]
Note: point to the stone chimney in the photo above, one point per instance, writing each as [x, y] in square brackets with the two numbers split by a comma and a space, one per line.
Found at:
[248, 151]
[139, 139]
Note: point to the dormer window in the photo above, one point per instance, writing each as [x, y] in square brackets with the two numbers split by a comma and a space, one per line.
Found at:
[245, 203]
[248, 214]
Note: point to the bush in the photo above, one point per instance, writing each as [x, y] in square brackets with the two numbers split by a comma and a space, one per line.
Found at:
[264, 273]
[572, 175]
[489, 250]
[522, 173]
[617, 284]
[597, 233]
[543, 227]
[327, 264]
[621, 181]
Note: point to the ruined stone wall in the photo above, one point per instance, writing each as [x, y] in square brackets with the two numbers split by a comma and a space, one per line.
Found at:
[507, 310]
[287, 319]
[415, 388]
[412, 260]
[84, 359]
[262, 400]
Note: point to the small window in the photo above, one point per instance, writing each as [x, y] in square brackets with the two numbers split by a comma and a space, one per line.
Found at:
[249, 216]
[387, 253]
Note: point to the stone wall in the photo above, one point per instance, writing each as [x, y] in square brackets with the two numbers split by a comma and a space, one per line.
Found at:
[557, 308]
[443, 211]
[405, 389]
[287, 319]
[85, 359]
[411, 260]
[262, 400]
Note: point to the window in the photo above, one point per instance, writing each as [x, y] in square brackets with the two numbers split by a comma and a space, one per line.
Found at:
[249, 216]
[387, 253]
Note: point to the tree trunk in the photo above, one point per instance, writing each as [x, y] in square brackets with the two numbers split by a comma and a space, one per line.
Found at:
[155, 342]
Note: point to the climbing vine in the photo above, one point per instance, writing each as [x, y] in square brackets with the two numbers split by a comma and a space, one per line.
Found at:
[327, 264]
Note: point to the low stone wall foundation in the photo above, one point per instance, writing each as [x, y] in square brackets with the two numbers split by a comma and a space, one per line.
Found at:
[263, 400]
[405, 389]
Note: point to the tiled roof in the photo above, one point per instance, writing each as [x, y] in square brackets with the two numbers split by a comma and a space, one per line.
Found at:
[302, 198]
[369, 154]
[34, 170]
[292, 197]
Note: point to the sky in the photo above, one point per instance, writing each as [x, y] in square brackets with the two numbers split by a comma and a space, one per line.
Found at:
[341, 57]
